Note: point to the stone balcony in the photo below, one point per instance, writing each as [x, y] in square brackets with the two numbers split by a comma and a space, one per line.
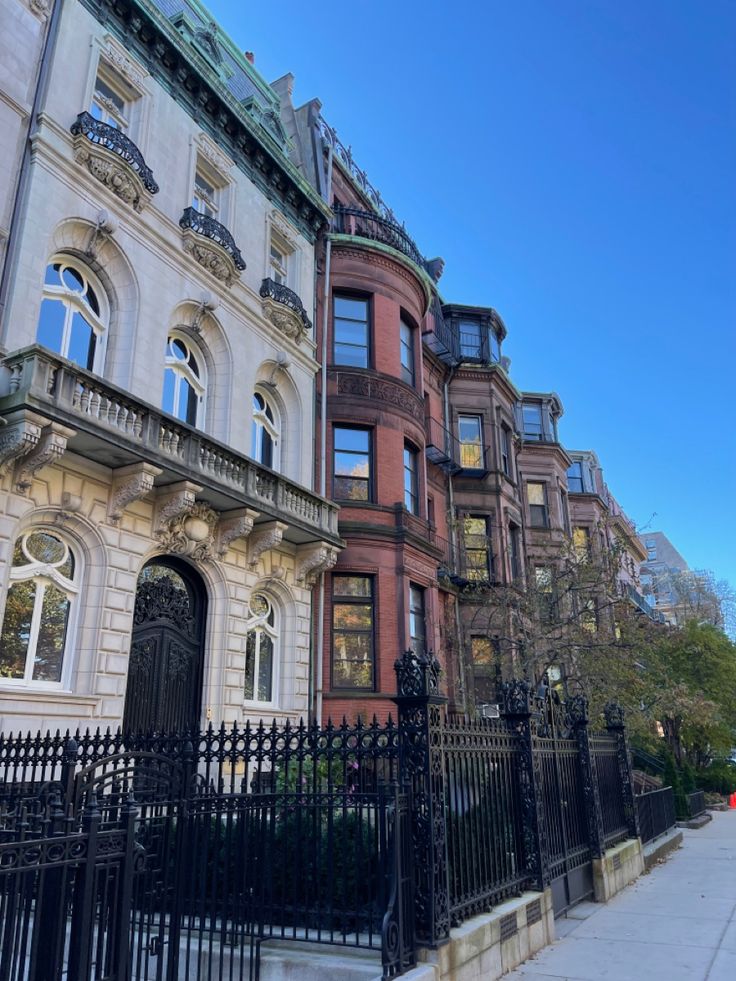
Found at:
[51, 405]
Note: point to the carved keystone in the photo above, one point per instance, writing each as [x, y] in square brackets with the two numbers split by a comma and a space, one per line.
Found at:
[234, 525]
[49, 448]
[267, 536]
[312, 560]
[130, 484]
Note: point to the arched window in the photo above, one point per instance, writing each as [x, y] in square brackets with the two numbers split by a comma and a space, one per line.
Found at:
[74, 314]
[44, 584]
[261, 651]
[185, 380]
[265, 431]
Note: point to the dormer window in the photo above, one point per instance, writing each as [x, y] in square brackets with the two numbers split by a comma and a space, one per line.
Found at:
[471, 340]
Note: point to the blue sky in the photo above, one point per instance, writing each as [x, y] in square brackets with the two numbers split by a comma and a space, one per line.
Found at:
[574, 162]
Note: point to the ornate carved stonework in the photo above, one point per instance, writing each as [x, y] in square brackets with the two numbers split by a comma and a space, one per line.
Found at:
[40, 8]
[130, 484]
[266, 537]
[192, 533]
[15, 441]
[234, 525]
[381, 390]
[48, 449]
[213, 155]
[394, 266]
[118, 57]
[312, 560]
[211, 257]
[107, 167]
[284, 319]
[174, 501]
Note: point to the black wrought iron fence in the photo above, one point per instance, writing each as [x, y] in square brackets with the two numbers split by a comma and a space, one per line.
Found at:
[366, 835]
[696, 803]
[656, 811]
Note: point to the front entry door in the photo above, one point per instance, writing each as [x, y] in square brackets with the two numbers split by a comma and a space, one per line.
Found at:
[164, 689]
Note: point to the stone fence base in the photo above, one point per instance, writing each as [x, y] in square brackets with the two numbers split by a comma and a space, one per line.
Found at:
[617, 869]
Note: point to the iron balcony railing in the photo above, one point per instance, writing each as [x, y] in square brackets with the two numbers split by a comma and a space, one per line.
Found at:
[282, 294]
[212, 229]
[117, 142]
[116, 428]
[443, 339]
[367, 224]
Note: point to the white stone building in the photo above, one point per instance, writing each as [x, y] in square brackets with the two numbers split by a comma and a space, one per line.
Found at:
[158, 537]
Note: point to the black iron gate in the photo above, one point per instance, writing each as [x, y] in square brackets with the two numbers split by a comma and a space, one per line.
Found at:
[568, 843]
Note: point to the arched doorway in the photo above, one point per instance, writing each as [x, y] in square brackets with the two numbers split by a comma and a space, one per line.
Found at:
[164, 690]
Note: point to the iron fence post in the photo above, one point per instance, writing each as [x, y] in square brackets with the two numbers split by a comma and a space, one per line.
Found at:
[422, 766]
[133, 859]
[577, 711]
[68, 768]
[615, 725]
[82, 925]
[516, 702]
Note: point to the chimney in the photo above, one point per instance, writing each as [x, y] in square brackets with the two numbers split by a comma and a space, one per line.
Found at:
[249, 56]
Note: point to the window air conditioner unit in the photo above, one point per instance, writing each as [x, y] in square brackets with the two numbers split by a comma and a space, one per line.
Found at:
[489, 710]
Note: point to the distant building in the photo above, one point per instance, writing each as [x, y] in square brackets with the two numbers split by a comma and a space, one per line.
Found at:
[678, 593]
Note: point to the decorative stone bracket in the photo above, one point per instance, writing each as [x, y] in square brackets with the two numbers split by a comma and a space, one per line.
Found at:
[36, 452]
[18, 437]
[110, 169]
[130, 484]
[234, 525]
[312, 560]
[267, 536]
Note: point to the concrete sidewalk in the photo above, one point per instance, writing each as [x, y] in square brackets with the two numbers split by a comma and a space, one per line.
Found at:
[678, 923]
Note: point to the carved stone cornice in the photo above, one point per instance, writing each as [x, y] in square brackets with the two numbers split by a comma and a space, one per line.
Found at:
[41, 8]
[49, 448]
[17, 439]
[108, 168]
[397, 266]
[234, 525]
[314, 559]
[381, 390]
[118, 56]
[266, 537]
[130, 484]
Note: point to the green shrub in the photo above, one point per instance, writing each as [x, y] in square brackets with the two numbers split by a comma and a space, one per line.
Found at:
[719, 777]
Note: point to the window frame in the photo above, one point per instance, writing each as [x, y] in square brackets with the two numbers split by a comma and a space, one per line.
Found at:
[260, 625]
[540, 510]
[461, 443]
[486, 535]
[368, 301]
[260, 423]
[369, 481]
[506, 459]
[479, 349]
[348, 600]
[515, 564]
[412, 497]
[417, 614]
[180, 370]
[71, 300]
[408, 348]
[579, 476]
[47, 576]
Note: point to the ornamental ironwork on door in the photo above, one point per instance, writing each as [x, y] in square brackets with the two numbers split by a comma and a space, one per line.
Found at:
[164, 689]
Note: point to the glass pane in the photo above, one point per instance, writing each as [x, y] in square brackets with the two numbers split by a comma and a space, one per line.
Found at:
[352, 616]
[352, 439]
[192, 405]
[250, 663]
[72, 279]
[52, 274]
[352, 660]
[167, 402]
[349, 332]
[178, 349]
[353, 309]
[91, 298]
[535, 493]
[49, 658]
[474, 529]
[354, 357]
[258, 402]
[351, 585]
[265, 669]
[16, 629]
[351, 489]
[259, 606]
[481, 650]
[266, 454]
[180, 409]
[45, 547]
[469, 428]
[351, 465]
[51, 324]
[495, 347]
[471, 457]
[81, 342]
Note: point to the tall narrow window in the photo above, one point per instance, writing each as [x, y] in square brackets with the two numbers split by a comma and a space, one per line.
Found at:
[265, 432]
[417, 620]
[184, 381]
[506, 450]
[73, 316]
[278, 259]
[476, 545]
[352, 632]
[352, 464]
[532, 419]
[545, 592]
[470, 433]
[471, 340]
[581, 543]
[575, 482]
[406, 334]
[514, 552]
[538, 511]
[351, 331]
[411, 480]
[204, 195]
[44, 584]
[261, 651]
